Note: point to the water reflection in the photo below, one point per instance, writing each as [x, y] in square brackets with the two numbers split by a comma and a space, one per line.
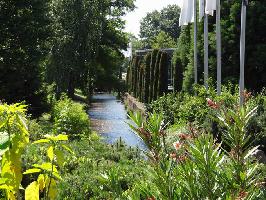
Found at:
[108, 117]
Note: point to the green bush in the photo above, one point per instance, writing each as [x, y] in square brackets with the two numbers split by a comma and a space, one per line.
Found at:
[197, 167]
[100, 171]
[70, 118]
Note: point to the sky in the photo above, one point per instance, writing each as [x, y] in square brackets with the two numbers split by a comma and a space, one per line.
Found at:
[143, 7]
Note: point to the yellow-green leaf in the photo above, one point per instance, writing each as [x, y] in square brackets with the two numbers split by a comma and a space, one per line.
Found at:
[50, 153]
[46, 167]
[67, 148]
[59, 137]
[32, 191]
[52, 189]
[41, 181]
[41, 141]
[32, 171]
[59, 157]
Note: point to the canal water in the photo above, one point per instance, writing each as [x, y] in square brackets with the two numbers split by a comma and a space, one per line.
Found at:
[108, 117]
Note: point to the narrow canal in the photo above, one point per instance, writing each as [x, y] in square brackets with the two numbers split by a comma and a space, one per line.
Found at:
[108, 117]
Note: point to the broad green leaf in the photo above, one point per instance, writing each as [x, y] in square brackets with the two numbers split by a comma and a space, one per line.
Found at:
[32, 171]
[4, 141]
[46, 167]
[67, 148]
[32, 191]
[41, 141]
[41, 181]
[50, 153]
[59, 137]
[59, 157]
[52, 189]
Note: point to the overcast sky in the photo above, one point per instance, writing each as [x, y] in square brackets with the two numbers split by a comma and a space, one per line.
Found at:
[143, 7]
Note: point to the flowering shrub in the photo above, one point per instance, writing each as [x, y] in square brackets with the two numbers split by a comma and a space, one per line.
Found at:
[197, 166]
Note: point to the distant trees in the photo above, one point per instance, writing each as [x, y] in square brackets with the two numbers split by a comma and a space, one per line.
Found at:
[72, 43]
[255, 48]
[24, 40]
[156, 23]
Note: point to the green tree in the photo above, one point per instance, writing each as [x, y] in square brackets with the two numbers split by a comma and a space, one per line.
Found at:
[166, 20]
[162, 41]
[24, 38]
[163, 74]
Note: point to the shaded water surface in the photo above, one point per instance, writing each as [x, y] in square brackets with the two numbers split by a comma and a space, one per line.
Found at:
[108, 117]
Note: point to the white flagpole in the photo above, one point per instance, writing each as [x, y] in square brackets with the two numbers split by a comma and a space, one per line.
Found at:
[206, 50]
[242, 51]
[218, 44]
[195, 43]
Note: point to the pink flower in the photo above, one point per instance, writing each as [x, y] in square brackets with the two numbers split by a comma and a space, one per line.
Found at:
[177, 145]
[184, 136]
[212, 104]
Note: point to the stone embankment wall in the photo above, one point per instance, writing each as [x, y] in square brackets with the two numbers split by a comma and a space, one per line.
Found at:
[133, 104]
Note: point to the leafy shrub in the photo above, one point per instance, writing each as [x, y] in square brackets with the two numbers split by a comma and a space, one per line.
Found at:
[198, 167]
[70, 118]
[100, 171]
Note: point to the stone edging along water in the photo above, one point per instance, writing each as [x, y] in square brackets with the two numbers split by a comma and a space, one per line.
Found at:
[132, 104]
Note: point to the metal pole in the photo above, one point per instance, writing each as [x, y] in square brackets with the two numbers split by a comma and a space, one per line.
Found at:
[242, 51]
[195, 43]
[206, 51]
[218, 44]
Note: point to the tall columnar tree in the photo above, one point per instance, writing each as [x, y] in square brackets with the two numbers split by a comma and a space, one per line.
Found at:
[152, 68]
[147, 82]
[141, 82]
[136, 76]
[178, 70]
[24, 38]
[156, 75]
[163, 74]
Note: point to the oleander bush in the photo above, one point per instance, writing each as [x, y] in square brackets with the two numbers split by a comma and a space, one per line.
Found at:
[197, 166]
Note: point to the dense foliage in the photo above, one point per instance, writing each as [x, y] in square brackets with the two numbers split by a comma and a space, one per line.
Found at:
[24, 36]
[71, 44]
[158, 29]
[199, 166]
[230, 27]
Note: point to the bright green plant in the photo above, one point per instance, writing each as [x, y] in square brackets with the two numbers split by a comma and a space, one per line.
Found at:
[151, 131]
[71, 118]
[14, 137]
[48, 171]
